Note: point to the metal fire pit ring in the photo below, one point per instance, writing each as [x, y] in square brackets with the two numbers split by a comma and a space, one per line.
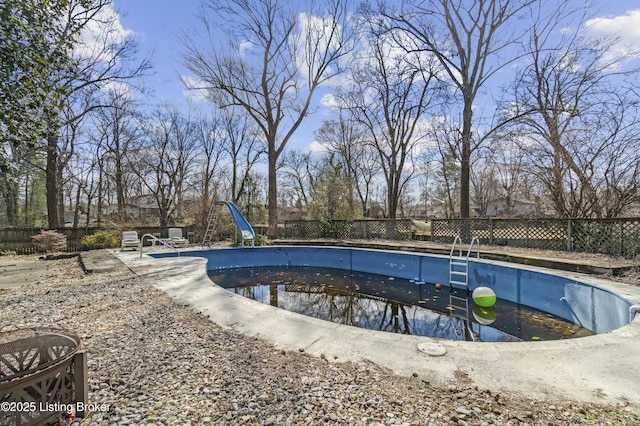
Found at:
[41, 371]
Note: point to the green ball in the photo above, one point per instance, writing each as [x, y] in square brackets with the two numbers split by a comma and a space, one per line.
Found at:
[484, 296]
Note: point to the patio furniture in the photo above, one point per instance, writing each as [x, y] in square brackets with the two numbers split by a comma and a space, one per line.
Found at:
[130, 240]
[176, 239]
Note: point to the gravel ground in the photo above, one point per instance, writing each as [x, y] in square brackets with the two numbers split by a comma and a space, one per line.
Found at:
[154, 362]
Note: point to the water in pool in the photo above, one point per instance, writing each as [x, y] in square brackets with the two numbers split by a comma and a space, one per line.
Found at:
[395, 305]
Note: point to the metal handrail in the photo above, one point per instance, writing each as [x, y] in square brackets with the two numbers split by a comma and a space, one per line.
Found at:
[632, 312]
[474, 240]
[457, 241]
[153, 237]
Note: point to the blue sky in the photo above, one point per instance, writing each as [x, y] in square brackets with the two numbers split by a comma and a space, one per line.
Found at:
[158, 25]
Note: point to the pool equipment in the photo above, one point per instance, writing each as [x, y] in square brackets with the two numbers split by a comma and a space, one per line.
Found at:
[459, 264]
[242, 224]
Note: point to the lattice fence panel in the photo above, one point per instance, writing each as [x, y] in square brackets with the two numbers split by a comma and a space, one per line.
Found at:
[444, 231]
[538, 233]
[615, 237]
[349, 229]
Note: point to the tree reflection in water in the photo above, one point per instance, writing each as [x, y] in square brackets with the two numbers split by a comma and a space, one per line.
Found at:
[390, 304]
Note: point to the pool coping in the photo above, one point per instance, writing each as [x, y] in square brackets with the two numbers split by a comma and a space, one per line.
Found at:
[601, 369]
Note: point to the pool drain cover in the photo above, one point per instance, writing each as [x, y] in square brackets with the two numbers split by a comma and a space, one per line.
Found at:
[432, 349]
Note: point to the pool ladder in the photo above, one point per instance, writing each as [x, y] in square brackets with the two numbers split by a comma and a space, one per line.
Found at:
[459, 283]
[459, 265]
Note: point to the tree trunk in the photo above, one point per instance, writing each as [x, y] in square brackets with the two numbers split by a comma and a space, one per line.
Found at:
[120, 199]
[273, 194]
[100, 195]
[52, 185]
[10, 194]
[465, 159]
[61, 200]
[76, 209]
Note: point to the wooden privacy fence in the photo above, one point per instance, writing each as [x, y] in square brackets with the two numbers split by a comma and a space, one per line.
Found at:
[18, 240]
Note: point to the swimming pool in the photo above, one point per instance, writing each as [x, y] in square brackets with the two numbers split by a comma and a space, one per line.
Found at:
[602, 368]
[596, 309]
[390, 304]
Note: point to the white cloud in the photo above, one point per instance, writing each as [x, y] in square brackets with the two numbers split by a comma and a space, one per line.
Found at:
[316, 36]
[245, 47]
[329, 101]
[626, 26]
[316, 148]
[100, 35]
[120, 88]
[195, 90]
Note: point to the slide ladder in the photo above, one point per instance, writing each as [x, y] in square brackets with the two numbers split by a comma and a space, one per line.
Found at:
[246, 231]
[212, 222]
[459, 264]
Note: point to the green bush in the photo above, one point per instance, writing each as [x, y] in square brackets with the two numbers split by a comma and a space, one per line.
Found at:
[49, 241]
[261, 240]
[102, 239]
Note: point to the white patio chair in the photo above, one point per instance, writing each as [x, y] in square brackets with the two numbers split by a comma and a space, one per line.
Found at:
[176, 239]
[130, 240]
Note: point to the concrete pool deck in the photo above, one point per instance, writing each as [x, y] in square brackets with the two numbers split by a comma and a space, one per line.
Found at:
[604, 368]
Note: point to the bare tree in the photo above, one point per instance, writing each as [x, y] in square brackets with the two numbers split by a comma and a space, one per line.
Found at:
[346, 138]
[243, 147]
[298, 176]
[97, 59]
[469, 39]
[508, 161]
[209, 139]
[390, 97]
[483, 184]
[274, 59]
[446, 155]
[575, 101]
[166, 160]
[118, 133]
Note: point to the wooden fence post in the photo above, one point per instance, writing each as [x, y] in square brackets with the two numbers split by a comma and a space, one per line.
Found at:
[490, 230]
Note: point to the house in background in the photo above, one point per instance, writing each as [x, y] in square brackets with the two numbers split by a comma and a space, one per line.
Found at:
[141, 207]
[504, 207]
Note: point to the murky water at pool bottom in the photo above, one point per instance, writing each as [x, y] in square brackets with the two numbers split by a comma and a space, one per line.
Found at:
[395, 305]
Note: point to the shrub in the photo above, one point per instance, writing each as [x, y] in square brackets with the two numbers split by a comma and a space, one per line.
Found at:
[49, 241]
[101, 239]
[261, 240]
